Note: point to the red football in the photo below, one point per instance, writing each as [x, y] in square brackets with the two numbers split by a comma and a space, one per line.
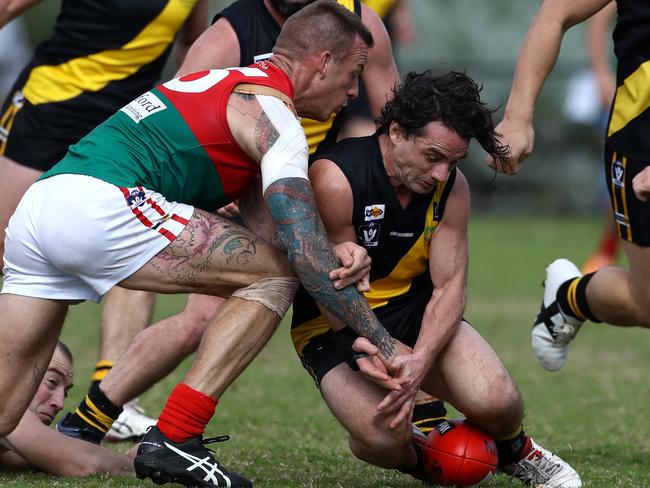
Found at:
[457, 453]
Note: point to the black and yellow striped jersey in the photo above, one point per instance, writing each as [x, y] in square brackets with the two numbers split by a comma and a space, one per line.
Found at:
[629, 122]
[256, 32]
[397, 239]
[116, 47]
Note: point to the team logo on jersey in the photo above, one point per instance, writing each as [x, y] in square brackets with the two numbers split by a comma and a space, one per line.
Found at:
[142, 107]
[375, 212]
[618, 174]
[369, 234]
[136, 198]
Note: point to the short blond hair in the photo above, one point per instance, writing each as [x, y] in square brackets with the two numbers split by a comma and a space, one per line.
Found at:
[324, 25]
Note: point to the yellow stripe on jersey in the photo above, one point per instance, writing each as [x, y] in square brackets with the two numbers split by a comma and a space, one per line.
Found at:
[316, 131]
[349, 4]
[381, 7]
[56, 83]
[632, 98]
[412, 264]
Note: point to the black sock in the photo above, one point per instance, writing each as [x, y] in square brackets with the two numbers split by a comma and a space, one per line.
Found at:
[572, 298]
[96, 412]
[427, 415]
[513, 449]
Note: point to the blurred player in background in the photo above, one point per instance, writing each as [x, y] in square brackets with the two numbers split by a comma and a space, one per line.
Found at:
[34, 445]
[12, 60]
[101, 56]
[398, 19]
[612, 294]
[400, 195]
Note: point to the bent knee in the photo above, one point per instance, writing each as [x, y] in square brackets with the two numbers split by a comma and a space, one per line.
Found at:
[376, 441]
[501, 400]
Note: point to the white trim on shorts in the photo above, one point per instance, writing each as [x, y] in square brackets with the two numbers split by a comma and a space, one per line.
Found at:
[74, 237]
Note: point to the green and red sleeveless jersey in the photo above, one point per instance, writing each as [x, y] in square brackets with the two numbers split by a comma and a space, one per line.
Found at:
[175, 139]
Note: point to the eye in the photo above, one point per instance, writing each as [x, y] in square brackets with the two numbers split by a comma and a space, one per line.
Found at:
[432, 158]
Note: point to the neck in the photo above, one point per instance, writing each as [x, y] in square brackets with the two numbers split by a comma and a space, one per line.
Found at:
[274, 13]
[301, 79]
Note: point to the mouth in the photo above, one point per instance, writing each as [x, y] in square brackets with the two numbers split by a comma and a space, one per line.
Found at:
[47, 419]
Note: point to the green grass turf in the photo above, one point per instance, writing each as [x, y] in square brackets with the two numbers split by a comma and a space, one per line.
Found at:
[594, 413]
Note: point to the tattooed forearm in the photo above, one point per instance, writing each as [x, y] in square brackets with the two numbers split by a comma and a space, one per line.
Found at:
[299, 226]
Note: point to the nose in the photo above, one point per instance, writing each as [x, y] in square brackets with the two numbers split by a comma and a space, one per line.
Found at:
[440, 172]
[57, 399]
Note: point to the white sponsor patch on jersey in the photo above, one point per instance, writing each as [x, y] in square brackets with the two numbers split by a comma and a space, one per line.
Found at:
[143, 106]
[374, 212]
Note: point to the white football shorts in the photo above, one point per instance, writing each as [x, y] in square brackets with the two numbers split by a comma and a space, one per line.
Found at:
[74, 237]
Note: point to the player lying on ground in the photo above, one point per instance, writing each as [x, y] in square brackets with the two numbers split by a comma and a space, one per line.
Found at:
[35, 445]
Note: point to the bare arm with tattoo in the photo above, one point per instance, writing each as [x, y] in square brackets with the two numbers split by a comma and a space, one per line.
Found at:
[299, 228]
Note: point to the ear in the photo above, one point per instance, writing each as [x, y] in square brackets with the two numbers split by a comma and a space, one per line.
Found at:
[325, 61]
[396, 132]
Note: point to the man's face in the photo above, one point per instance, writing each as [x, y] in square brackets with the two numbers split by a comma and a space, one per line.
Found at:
[341, 80]
[420, 162]
[48, 400]
[286, 8]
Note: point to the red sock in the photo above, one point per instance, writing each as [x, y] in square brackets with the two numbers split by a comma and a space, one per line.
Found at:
[186, 413]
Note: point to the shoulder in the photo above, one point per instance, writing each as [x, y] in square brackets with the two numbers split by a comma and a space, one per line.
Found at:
[457, 204]
[332, 192]
[347, 149]
[327, 177]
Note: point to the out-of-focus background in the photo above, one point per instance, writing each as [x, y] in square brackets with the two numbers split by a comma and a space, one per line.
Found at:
[481, 38]
[593, 413]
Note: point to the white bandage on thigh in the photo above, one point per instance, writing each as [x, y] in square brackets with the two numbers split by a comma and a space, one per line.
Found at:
[276, 294]
[289, 154]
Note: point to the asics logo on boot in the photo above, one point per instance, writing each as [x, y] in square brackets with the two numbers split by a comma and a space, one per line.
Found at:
[210, 469]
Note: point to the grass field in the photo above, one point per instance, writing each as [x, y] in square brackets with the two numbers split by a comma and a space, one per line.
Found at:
[594, 413]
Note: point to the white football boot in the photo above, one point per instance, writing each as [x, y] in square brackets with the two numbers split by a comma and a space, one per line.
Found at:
[131, 425]
[553, 330]
[543, 469]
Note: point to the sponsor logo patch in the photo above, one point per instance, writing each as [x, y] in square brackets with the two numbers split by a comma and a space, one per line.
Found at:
[142, 107]
[375, 212]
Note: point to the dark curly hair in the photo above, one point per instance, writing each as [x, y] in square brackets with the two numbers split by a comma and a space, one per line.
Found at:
[452, 98]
